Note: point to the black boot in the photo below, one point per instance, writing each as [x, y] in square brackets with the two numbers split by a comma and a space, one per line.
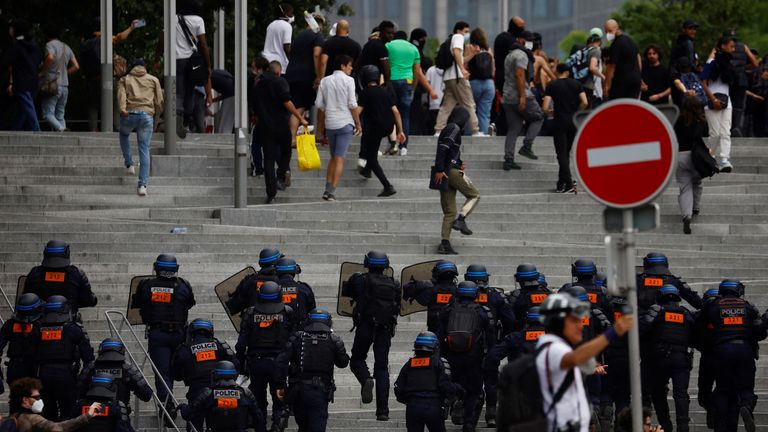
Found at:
[460, 224]
[445, 248]
[366, 393]
[490, 416]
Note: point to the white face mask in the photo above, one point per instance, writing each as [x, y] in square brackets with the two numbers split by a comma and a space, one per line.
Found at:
[466, 37]
[290, 19]
[37, 407]
[529, 45]
[610, 36]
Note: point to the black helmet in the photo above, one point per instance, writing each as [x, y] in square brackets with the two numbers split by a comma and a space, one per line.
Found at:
[576, 291]
[29, 308]
[477, 273]
[733, 286]
[582, 268]
[369, 73]
[200, 326]
[319, 320]
[601, 279]
[467, 289]
[102, 386]
[225, 370]
[670, 291]
[56, 254]
[426, 341]
[543, 281]
[656, 263]
[57, 309]
[376, 259]
[558, 306]
[111, 349]
[269, 256]
[533, 316]
[166, 265]
[444, 269]
[711, 293]
[270, 292]
[527, 275]
[287, 266]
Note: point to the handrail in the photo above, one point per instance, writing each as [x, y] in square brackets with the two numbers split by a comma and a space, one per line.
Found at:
[163, 414]
[7, 300]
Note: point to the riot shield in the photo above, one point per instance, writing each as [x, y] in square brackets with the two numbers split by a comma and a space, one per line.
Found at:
[225, 289]
[344, 306]
[20, 288]
[132, 314]
[416, 272]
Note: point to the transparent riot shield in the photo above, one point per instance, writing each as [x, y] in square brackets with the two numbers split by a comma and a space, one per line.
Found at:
[20, 288]
[416, 272]
[225, 289]
[132, 314]
[344, 305]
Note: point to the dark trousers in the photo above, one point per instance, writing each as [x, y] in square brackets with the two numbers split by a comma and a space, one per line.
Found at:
[265, 372]
[734, 383]
[490, 376]
[59, 382]
[617, 381]
[185, 91]
[738, 97]
[706, 380]
[196, 421]
[381, 338]
[629, 90]
[369, 150]
[19, 368]
[161, 346]
[498, 117]
[466, 370]
[677, 367]
[24, 113]
[257, 158]
[424, 412]
[563, 136]
[276, 144]
[310, 408]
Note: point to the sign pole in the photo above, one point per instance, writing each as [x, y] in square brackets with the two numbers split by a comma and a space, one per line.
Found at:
[107, 85]
[169, 70]
[627, 276]
[240, 182]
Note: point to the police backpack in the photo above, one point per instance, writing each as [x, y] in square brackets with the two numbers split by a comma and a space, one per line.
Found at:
[463, 329]
[520, 403]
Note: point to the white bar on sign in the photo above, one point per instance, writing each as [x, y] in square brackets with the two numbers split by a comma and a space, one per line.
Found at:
[624, 154]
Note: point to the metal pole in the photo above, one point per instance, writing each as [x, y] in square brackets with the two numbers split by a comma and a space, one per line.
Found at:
[504, 15]
[220, 39]
[169, 69]
[241, 107]
[107, 87]
[627, 269]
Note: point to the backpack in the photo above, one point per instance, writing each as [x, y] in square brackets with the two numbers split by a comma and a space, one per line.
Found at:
[379, 300]
[90, 57]
[579, 63]
[10, 424]
[691, 82]
[521, 404]
[463, 327]
[444, 58]
[703, 162]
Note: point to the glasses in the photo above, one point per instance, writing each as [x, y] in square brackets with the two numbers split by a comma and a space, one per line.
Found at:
[35, 397]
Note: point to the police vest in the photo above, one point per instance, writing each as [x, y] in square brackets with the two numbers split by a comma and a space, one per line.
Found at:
[620, 344]
[423, 375]
[291, 296]
[595, 294]
[730, 323]
[205, 355]
[648, 290]
[674, 328]
[46, 282]
[377, 300]
[117, 371]
[318, 354]
[22, 339]
[531, 335]
[443, 292]
[228, 412]
[533, 297]
[105, 420]
[166, 301]
[56, 344]
[268, 332]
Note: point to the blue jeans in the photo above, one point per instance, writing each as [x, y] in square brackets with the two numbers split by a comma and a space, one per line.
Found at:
[483, 91]
[404, 92]
[25, 115]
[142, 123]
[53, 109]
[339, 139]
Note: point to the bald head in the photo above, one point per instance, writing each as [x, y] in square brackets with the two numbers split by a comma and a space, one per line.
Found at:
[342, 28]
[518, 21]
[611, 26]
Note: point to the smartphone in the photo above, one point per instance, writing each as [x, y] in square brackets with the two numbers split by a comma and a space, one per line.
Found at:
[140, 23]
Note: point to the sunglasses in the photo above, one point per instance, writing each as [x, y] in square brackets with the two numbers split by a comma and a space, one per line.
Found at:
[35, 397]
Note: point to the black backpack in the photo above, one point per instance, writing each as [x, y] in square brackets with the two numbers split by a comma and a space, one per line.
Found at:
[463, 329]
[379, 302]
[703, 162]
[521, 404]
[90, 57]
[444, 58]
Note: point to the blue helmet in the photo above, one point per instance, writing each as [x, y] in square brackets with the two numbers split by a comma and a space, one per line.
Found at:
[582, 268]
[711, 293]
[576, 291]
[533, 316]
[543, 280]
[57, 309]
[56, 254]
[270, 292]
[166, 265]
[111, 349]
[103, 386]
[201, 326]
[426, 341]
[269, 256]
[527, 275]
[444, 269]
[477, 273]
[733, 286]
[287, 266]
[601, 279]
[376, 260]
[467, 289]
[29, 308]
[225, 370]
[655, 260]
[318, 320]
[670, 291]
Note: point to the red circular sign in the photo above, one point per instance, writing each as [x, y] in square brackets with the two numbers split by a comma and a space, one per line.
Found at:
[625, 153]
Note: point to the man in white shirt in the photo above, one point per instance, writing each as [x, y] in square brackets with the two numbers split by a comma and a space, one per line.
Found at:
[189, 11]
[558, 361]
[456, 80]
[277, 43]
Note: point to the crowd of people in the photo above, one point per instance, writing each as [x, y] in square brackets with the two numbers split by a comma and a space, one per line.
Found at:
[566, 350]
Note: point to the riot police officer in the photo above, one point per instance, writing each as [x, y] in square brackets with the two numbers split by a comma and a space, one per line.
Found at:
[424, 383]
[617, 358]
[62, 346]
[57, 276]
[736, 327]
[703, 343]
[309, 359]
[21, 334]
[225, 406]
[670, 329]
[164, 303]
[245, 294]
[584, 273]
[518, 342]
[435, 294]
[297, 294]
[655, 275]
[114, 414]
[264, 330]
[196, 358]
[377, 303]
[530, 293]
[463, 330]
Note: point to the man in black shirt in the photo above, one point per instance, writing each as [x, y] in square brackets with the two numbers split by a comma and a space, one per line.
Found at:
[502, 45]
[375, 50]
[336, 46]
[568, 96]
[656, 85]
[623, 65]
[684, 44]
[274, 107]
[303, 72]
[21, 60]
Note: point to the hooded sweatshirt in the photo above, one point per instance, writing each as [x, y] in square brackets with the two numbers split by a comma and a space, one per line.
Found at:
[140, 91]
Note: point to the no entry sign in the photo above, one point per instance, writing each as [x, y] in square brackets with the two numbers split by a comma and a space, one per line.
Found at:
[625, 153]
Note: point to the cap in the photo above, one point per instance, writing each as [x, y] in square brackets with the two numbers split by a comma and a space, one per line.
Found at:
[596, 31]
[689, 23]
[525, 34]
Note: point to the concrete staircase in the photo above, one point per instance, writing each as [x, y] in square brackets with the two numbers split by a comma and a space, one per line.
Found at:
[72, 187]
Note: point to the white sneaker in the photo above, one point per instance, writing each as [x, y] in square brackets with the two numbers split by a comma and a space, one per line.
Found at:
[403, 151]
[437, 134]
[725, 165]
[142, 191]
[479, 134]
[380, 153]
[131, 170]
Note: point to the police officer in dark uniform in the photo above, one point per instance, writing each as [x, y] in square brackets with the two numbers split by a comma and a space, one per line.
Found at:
[63, 345]
[435, 294]
[164, 303]
[264, 330]
[463, 330]
[670, 329]
[530, 293]
[703, 342]
[297, 294]
[114, 414]
[517, 342]
[584, 272]
[57, 276]
[21, 334]
[655, 275]
[225, 406]
[617, 358]
[377, 303]
[196, 358]
[423, 384]
[736, 327]
[309, 359]
[246, 293]
[503, 318]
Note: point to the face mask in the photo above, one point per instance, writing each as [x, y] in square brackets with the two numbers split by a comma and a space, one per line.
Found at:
[290, 19]
[529, 45]
[610, 36]
[466, 37]
[37, 407]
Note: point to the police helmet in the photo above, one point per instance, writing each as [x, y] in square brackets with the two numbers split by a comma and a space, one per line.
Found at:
[533, 316]
[601, 279]
[426, 341]
[319, 320]
[57, 309]
[369, 73]
[269, 256]
[225, 370]
[711, 293]
[558, 306]
[733, 286]
[543, 281]
[56, 254]
[576, 291]
[200, 326]
[444, 269]
[582, 268]
[527, 275]
[166, 265]
[270, 292]
[102, 386]
[656, 263]
[287, 266]
[477, 274]
[111, 349]
[376, 260]
[467, 289]
[29, 308]
[670, 291]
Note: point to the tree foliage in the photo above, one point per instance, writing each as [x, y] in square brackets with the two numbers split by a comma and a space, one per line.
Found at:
[576, 37]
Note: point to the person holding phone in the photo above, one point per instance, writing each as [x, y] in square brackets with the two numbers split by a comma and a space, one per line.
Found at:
[26, 405]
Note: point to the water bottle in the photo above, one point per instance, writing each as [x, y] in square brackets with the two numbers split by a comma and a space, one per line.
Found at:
[179, 230]
[311, 22]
